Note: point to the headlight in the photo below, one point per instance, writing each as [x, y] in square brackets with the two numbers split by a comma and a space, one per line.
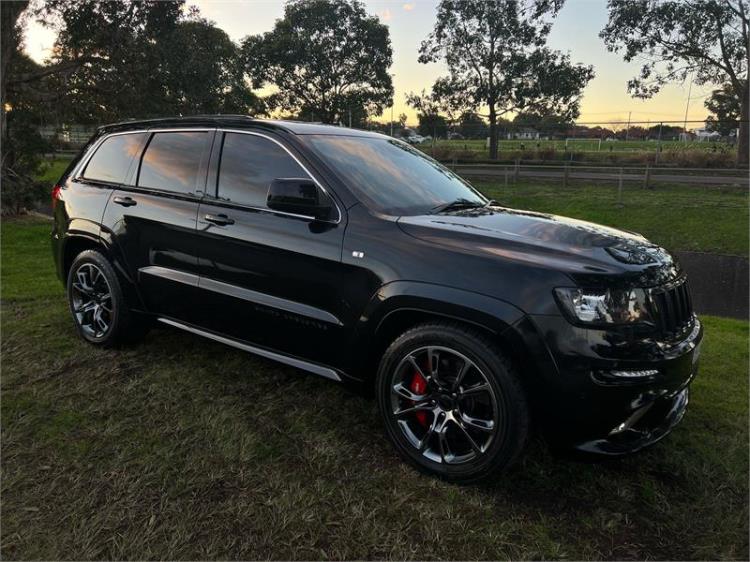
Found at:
[605, 306]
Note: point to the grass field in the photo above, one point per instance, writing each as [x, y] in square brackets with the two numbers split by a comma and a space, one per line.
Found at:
[52, 170]
[676, 217]
[181, 448]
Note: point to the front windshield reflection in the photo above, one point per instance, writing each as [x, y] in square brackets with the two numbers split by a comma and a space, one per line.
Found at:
[390, 176]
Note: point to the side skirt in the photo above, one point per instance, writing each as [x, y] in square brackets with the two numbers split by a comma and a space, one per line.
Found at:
[287, 360]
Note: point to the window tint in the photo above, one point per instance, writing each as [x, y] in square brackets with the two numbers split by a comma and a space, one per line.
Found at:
[112, 159]
[390, 176]
[248, 166]
[172, 161]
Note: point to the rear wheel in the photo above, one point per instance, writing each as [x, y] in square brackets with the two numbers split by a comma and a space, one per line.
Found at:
[100, 312]
[451, 403]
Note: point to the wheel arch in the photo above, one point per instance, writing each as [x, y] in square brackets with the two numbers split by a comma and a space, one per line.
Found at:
[74, 244]
[400, 306]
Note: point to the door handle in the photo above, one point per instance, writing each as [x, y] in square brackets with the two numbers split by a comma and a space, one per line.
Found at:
[221, 220]
[125, 201]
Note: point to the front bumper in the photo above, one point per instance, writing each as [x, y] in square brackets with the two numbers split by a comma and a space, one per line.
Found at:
[582, 404]
[644, 427]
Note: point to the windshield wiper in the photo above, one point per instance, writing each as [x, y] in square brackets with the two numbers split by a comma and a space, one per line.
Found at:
[456, 205]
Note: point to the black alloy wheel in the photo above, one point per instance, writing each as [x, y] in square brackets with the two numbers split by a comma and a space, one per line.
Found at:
[444, 405]
[91, 300]
[451, 403]
[100, 310]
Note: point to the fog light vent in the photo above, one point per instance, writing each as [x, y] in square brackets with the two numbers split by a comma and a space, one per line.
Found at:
[634, 374]
[631, 376]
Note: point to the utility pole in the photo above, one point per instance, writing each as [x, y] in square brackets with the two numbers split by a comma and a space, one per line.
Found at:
[350, 117]
[392, 103]
[627, 131]
[687, 107]
[658, 144]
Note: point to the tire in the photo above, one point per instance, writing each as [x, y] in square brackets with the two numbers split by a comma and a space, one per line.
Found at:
[464, 423]
[101, 313]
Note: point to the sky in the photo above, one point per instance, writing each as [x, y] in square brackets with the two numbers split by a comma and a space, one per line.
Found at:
[575, 31]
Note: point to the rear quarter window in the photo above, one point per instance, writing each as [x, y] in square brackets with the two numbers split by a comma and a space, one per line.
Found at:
[112, 159]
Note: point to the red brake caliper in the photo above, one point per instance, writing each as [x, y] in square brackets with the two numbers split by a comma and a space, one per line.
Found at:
[419, 386]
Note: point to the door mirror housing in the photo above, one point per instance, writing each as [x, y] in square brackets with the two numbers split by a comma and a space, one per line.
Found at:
[300, 196]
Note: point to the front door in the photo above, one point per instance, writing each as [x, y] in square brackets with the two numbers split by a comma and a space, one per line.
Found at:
[269, 278]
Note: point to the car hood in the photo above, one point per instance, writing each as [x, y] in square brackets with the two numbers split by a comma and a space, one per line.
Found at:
[584, 249]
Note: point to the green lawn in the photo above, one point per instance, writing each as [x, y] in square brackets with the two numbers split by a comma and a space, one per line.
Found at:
[181, 448]
[53, 169]
[677, 217]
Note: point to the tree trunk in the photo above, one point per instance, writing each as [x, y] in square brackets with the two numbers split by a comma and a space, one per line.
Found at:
[493, 133]
[743, 135]
[10, 13]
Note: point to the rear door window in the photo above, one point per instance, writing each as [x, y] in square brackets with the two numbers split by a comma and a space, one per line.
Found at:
[249, 163]
[111, 161]
[172, 161]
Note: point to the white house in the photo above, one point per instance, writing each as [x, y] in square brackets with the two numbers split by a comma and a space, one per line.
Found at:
[705, 134]
[524, 133]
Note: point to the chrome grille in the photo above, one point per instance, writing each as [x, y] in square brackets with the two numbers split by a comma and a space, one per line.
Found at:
[674, 307]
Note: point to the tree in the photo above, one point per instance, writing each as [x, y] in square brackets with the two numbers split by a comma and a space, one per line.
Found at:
[324, 57]
[724, 104]
[472, 126]
[706, 40]
[203, 71]
[428, 113]
[433, 125]
[21, 96]
[665, 132]
[498, 60]
[116, 51]
[552, 125]
[111, 61]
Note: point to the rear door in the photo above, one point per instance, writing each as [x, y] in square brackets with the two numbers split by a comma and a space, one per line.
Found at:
[268, 277]
[152, 219]
[104, 168]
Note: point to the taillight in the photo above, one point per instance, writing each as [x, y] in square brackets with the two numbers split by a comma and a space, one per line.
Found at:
[56, 195]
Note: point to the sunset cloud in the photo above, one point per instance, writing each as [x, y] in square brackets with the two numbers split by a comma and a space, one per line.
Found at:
[409, 7]
[385, 15]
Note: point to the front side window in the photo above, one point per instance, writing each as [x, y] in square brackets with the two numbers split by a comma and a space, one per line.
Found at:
[249, 164]
[390, 176]
[111, 161]
[172, 161]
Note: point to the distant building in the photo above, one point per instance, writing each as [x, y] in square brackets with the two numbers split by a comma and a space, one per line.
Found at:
[706, 134]
[524, 133]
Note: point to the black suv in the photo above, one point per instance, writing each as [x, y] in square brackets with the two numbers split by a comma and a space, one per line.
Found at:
[354, 256]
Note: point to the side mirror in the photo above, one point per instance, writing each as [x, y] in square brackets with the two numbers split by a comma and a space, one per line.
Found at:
[300, 196]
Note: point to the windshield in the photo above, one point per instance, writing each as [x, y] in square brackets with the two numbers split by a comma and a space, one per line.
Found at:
[390, 176]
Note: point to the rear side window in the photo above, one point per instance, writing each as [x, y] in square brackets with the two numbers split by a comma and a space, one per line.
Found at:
[249, 164]
[111, 161]
[172, 161]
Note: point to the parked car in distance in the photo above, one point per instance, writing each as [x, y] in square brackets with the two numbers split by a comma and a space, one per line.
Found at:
[355, 257]
[415, 139]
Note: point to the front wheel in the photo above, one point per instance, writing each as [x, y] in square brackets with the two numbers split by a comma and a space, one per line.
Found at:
[451, 403]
